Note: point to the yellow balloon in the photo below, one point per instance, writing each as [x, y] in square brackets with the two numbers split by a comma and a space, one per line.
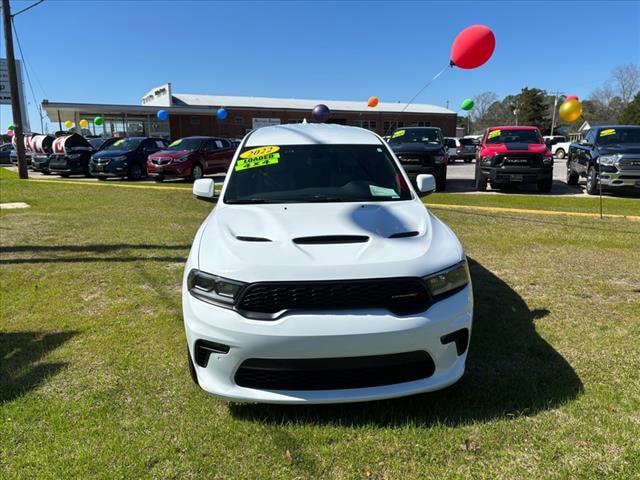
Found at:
[84, 123]
[570, 111]
[68, 124]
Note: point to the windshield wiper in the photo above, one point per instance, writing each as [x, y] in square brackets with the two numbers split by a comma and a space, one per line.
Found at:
[247, 201]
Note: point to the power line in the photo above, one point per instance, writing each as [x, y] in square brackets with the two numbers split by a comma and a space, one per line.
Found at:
[27, 8]
[26, 70]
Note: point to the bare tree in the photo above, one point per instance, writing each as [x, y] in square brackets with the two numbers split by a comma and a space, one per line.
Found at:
[482, 103]
[626, 79]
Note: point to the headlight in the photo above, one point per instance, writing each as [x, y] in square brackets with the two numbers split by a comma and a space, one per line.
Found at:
[181, 159]
[608, 159]
[438, 159]
[486, 160]
[120, 158]
[213, 289]
[74, 156]
[547, 160]
[449, 280]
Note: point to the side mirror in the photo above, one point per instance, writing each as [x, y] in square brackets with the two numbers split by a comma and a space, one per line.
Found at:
[204, 189]
[426, 183]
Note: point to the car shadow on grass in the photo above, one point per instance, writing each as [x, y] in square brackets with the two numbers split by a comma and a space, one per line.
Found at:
[21, 369]
[511, 371]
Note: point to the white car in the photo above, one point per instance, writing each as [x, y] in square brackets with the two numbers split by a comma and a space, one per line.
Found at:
[560, 149]
[321, 277]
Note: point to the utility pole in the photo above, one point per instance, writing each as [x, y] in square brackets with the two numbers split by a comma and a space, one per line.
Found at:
[553, 118]
[13, 84]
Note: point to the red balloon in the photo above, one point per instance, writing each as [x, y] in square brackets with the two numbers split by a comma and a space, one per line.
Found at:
[473, 47]
[571, 97]
[10, 133]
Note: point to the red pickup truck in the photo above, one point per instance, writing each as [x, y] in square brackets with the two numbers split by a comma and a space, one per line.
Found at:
[513, 155]
[191, 157]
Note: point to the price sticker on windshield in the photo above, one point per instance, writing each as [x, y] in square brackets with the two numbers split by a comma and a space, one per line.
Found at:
[398, 133]
[177, 142]
[258, 157]
[607, 132]
[493, 134]
[119, 142]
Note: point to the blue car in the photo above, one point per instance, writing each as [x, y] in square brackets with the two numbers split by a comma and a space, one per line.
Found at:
[126, 157]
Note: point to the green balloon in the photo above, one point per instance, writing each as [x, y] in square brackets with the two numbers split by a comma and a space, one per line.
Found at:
[12, 127]
[467, 104]
[98, 120]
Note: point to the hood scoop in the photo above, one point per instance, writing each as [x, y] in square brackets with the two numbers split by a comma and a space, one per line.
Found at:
[330, 239]
[404, 234]
[244, 238]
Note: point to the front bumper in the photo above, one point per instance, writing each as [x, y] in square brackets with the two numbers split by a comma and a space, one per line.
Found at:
[517, 175]
[107, 170]
[332, 334]
[622, 179]
[181, 170]
[417, 169]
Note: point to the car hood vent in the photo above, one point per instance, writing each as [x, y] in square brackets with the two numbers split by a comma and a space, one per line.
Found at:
[404, 234]
[330, 239]
[244, 238]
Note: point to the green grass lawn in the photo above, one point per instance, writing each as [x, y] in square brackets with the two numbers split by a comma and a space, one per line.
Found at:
[94, 383]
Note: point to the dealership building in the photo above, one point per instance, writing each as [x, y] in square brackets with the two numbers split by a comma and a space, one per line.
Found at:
[191, 114]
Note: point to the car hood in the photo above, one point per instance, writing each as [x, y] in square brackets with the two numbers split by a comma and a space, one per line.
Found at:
[628, 148]
[415, 147]
[497, 148]
[172, 154]
[111, 153]
[223, 253]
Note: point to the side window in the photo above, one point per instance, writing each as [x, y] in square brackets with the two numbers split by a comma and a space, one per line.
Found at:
[226, 143]
[160, 144]
[210, 146]
[219, 144]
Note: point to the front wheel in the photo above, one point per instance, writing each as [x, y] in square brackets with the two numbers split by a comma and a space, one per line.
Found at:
[159, 179]
[196, 172]
[592, 181]
[572, 177]
[135, 172]
[480, 182]
[467, 160]
[560, 153]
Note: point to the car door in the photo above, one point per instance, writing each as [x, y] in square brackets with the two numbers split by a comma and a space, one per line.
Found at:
[582, 162]
[209, 156]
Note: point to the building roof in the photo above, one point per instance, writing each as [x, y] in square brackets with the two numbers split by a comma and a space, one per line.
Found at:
[311, 134]
[183, 99]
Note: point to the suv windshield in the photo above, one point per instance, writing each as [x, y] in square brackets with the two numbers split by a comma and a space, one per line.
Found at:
[315, 173]
[423, 135]
[185, 144]
[125, 144]
[611, 136]
[468, 141]
[513, 136]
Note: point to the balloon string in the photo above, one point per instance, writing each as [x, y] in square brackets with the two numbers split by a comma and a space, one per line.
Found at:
[417, 95]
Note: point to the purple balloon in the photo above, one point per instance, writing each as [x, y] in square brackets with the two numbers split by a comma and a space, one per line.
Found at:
[321, 113]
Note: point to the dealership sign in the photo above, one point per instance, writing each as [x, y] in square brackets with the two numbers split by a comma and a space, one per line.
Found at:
[264, 122]
[5, 90]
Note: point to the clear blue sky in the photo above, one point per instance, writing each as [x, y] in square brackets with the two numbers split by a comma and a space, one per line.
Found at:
[113, 52]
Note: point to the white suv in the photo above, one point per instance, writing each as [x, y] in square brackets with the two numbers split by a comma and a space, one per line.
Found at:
[321, 277]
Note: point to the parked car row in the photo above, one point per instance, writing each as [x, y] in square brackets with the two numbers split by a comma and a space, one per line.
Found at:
[130, 157]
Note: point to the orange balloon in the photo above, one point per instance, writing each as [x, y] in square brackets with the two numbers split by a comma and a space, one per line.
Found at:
[373, 102]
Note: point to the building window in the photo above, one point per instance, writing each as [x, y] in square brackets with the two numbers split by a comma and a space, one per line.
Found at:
[239, 120]
[368, 124]
[195, 120]
[295, 120]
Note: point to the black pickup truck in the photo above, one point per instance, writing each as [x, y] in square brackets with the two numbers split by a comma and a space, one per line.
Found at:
[608, 156]
[421, 150]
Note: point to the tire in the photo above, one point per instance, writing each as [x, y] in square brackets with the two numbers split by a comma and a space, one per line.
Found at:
[467, 160]
[480, 181]
[135, 172]
[592, 181]
[544, 186]
[45, 172]
[64, 175]
[192, 369]
[102, 179]
[196, 172]
[159, 179]
[572, 177]
[560, 153]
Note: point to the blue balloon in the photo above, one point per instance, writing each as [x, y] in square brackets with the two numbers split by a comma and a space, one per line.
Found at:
[162, 115]
[321, 112]
[222, 114]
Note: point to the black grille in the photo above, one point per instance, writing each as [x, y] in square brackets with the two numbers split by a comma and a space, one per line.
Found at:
[531, 160]
[334, 373]
[401, 296]
[160, 161]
